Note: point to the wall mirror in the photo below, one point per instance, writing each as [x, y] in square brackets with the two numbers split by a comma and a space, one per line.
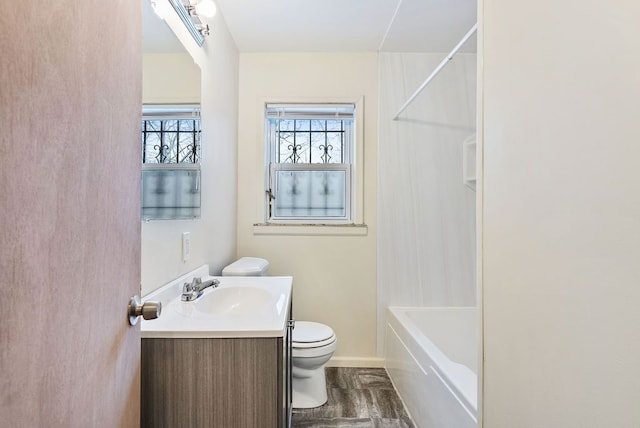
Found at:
[170, 128]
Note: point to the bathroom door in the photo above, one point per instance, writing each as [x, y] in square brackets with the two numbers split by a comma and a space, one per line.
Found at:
[69, 213]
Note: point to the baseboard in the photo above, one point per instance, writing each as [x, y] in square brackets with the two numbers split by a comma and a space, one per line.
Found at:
[355, 362]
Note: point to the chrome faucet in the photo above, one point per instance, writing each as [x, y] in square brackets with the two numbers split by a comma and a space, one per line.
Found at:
[191, 292]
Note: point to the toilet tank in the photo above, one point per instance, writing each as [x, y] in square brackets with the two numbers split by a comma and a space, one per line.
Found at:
[247, 266]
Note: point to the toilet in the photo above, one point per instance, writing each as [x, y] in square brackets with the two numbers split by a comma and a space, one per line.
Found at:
[313, 345]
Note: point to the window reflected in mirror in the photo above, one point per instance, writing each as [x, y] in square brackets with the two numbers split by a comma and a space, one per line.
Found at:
[170, 131]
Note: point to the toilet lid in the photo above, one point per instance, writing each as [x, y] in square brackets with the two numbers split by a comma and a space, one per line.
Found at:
[311, 332]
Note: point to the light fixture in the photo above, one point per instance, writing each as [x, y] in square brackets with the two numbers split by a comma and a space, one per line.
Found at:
[160, 7]
[190, 16]
[205, 8]
[204, 29]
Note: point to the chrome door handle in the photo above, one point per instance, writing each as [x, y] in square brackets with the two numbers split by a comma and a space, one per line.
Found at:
[148, 310]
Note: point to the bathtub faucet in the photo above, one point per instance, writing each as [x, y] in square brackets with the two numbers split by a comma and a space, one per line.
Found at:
[191, 292]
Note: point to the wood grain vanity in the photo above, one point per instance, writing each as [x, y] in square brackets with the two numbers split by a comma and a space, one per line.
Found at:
[218, 382]
[197, 371]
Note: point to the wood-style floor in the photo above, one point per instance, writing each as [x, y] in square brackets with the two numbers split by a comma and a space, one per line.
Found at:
[357, 397]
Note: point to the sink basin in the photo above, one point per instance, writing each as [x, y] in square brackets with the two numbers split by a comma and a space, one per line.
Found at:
[239, 307]
[235, 300]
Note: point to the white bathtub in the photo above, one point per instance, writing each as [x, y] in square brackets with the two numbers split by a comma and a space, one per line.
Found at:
[431, 355]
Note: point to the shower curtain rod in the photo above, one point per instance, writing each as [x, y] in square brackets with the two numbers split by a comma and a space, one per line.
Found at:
[437, 70]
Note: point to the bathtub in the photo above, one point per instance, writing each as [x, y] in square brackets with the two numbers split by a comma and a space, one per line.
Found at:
[431, 355]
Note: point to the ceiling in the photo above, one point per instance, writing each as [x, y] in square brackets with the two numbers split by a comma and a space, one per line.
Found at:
[332, 26]
[349, 25]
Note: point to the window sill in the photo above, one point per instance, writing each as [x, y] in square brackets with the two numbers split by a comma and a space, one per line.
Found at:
[311, 229]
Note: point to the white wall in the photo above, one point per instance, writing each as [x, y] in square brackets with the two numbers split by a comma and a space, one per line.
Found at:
[426, 240]
[213, 238]
[334, 276]
[170, 78]
[561, 214]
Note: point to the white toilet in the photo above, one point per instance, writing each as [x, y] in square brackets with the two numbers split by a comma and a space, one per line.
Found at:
[313, 345]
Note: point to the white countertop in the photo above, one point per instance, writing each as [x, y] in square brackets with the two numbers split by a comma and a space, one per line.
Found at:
[188, 320]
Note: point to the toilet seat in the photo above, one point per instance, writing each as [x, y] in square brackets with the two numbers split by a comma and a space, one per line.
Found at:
[309, 334]
[309, 345]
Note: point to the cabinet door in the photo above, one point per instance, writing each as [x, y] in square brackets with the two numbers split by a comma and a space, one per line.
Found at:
[212, 383]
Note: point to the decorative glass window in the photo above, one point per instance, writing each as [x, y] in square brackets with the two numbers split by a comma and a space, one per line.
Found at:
[171, 162]
[309, 157]
[170, 134]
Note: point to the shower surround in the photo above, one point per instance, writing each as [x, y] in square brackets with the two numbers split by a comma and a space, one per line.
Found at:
[426, 241]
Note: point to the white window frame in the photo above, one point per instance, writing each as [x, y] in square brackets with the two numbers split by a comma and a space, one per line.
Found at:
[352, 166]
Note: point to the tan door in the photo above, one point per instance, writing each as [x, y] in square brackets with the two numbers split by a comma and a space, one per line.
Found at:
[69, 212]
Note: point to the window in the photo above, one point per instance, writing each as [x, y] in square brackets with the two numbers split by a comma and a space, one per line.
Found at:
[171, 162]
[170, 134]
[309, 157]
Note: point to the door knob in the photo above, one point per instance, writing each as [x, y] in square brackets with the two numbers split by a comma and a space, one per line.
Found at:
[148, 310]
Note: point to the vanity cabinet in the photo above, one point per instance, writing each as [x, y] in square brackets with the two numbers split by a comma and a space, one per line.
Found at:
[216, 382]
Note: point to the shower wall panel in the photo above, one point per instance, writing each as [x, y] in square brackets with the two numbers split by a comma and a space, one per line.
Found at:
[426, 241]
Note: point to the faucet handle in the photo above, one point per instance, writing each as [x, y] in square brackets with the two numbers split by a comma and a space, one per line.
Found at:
[186, 287]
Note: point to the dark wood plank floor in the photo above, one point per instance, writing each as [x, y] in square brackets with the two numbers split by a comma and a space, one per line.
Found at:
[357, 397]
